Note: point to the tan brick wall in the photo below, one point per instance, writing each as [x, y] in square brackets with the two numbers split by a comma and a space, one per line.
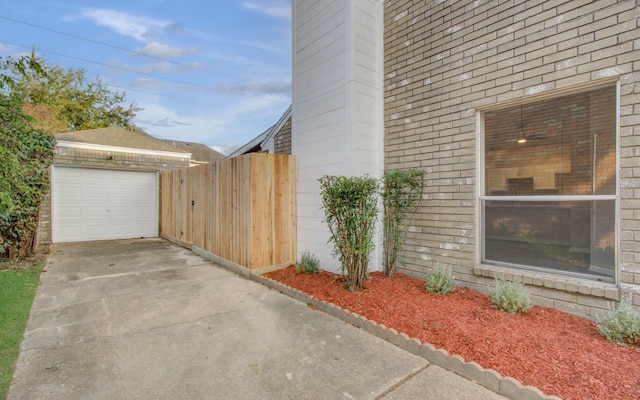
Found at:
[99, 159]
[44, 220]
[444, 60]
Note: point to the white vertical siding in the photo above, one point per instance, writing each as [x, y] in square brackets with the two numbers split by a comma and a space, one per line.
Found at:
[366, 115]
[337, 102]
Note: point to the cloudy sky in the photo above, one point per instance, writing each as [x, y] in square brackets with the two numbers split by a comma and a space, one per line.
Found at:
[214, 72]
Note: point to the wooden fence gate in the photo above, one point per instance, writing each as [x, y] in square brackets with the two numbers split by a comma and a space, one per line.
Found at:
[241, 209]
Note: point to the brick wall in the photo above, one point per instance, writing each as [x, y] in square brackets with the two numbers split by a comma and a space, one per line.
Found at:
[99, 158]
[445, 60]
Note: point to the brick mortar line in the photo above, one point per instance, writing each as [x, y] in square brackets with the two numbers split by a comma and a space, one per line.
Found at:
[488, 378]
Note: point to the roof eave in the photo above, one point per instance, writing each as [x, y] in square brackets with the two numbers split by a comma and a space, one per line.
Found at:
[116, 149]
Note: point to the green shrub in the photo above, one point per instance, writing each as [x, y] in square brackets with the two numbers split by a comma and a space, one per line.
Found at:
[622, 326]
[308, 264]
[25, 155]
[440, 280]
[401, 194]
[510, 297]
[350, 209]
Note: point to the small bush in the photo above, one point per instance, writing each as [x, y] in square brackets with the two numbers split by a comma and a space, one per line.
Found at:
[622, 326]
[401, 194]
[440, 280]
[510, 297]
[351, 209]
[308, 264]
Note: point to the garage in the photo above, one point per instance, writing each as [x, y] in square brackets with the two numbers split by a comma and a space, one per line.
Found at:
[101, 204]
[105, 185]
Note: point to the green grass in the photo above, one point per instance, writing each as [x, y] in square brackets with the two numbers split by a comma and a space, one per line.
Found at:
[17, 289]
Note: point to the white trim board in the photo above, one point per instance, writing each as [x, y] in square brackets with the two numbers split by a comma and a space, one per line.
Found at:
[116, 149]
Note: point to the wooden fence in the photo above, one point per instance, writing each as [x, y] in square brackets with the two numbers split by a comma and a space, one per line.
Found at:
[241, 209]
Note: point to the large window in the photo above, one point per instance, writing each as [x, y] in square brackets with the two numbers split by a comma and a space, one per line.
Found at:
[550, 187]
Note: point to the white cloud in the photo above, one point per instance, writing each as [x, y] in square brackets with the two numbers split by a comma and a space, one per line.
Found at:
[165, 122]
[177, 28]
[222, 127]
[280, 90]
[156, 49]
[255, 88]
[148, 83]
[158, 67]
[277, 11]
[227, 149]
[6, 47]
[162, 122]
[137, 27]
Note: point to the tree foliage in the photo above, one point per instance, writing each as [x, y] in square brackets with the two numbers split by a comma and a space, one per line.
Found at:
[25, 154]
[350, 207]
[66, 100]
[37, 99]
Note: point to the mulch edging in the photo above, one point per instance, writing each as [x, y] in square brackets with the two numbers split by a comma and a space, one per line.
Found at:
[488, 378]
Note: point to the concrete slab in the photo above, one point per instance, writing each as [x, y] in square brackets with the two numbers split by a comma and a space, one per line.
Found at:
[437, 383]
[142, 319]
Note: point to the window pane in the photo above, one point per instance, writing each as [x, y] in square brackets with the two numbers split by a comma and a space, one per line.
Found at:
[574, 237]
[564, 146]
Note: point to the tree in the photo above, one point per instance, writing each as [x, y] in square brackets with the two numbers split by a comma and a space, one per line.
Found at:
[65, 98]
[36, 100]
[25, 154]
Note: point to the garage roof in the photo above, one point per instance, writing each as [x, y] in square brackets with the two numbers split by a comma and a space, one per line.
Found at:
[117, 137]
[199, 152]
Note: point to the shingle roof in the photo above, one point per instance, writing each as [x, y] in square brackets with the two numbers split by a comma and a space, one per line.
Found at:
[117, 137]
[199, 152]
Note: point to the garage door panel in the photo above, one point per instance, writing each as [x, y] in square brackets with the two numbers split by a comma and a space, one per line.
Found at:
[68, 212]
[98, 194]
[94, 204]
[96, 212]
[74, 231]
[124, 195]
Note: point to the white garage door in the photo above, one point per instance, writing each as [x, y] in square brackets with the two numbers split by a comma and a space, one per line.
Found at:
[99, 204]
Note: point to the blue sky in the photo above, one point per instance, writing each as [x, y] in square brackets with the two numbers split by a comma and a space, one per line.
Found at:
[213, 72]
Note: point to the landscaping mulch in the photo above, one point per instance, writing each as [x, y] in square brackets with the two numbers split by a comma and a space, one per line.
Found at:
[560, 354]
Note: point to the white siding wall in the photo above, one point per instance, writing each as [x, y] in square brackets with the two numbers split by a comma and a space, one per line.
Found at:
[337, 106]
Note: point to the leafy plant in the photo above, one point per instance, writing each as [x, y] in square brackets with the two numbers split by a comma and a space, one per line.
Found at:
[622, 326]
[350, 208]
[66, 100]
[401, 192]
[510, 297]
[25, 154]
[440, 280]
[308, 264]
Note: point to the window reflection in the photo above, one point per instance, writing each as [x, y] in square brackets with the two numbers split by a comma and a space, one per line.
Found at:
[576, 237]
[564, 146]
[570, 147]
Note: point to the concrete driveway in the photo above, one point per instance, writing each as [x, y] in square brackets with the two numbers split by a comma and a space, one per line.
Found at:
[145, 319]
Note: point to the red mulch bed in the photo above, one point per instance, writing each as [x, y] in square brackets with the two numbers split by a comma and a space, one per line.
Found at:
[558, 353]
